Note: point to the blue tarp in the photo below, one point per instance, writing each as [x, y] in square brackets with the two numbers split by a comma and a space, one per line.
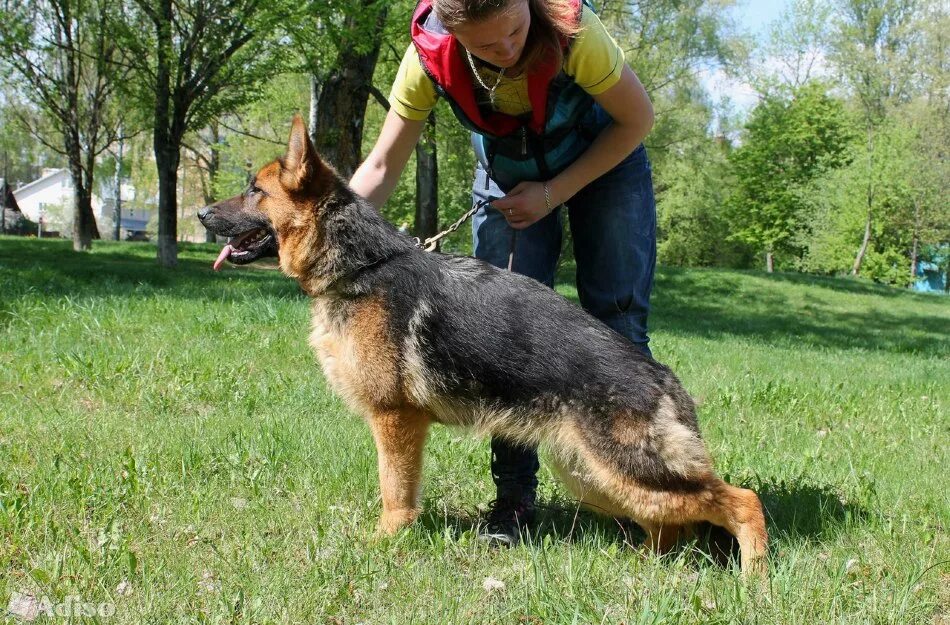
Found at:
[930, 277]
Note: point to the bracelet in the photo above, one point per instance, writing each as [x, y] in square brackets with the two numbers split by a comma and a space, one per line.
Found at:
[547, 198]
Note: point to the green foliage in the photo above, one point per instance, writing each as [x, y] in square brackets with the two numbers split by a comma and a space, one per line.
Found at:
[58, 62]
[797, 183]
[219, 54]
[21, 157]
[788, 140]
[875, 47]
[260, 131]
[692, 184]
[793, 54]
[901, 178]
[668, 43]
[319, 29]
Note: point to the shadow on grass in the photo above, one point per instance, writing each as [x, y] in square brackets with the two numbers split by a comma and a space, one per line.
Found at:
[803, 511]
[788, 309]
[841, 284]
[52, 268]
[795, 511]
[776, 308]
[561, 521]
[712, 305]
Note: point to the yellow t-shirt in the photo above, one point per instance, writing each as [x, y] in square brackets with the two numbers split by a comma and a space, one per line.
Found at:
[594, 60]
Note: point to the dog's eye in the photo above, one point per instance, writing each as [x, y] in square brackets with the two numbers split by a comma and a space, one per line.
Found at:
[254, 189]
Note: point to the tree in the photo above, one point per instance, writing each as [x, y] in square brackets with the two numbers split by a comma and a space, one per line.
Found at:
[692, 226]
[339, 45]
[910, 174]
[190, 61]
[63, 53]
[21, 157]
[795, 52]
[427, 182]
[787, 142]
[338, 133]
[205, 152]
[669, 43]
[874, 52]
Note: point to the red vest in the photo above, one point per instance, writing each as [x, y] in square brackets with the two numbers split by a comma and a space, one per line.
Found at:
[443, 59]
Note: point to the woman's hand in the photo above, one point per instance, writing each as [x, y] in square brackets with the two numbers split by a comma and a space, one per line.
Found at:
[525, 204]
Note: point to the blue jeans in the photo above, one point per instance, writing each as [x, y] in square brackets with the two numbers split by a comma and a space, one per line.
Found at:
[613, 224]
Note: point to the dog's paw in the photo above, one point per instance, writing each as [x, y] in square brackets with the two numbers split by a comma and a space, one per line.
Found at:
[392, 521]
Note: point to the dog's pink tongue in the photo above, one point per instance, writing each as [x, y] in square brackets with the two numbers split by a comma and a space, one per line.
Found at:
[223, 256]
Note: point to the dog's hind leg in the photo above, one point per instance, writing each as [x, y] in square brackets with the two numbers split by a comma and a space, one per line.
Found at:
[663, 513]
[400, 436]
[739, 511]
[579, 482]
[662, 538]
[666, 513]
[656, 469]
[582, 484]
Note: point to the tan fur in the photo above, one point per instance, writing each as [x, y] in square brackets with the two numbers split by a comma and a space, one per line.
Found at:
[292, 215]
[418, 381]
[680, 447]
[400, 437]
[357, 358]
[627, 431]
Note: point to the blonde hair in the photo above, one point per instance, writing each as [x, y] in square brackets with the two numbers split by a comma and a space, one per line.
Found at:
[553, 22]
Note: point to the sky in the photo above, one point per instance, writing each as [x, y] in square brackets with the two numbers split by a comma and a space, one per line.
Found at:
[755, 15]
[752, 17]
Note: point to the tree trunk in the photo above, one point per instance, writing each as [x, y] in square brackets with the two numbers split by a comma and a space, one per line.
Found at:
[863, 250]
[427, 183]
[82, 214]
[3, 195]
[164, 145]
[214, 163]
[84, 220]
[315, 89]
[117, 183]
[913, 259]
[915, 245]
[167, 159]
[341, 105]
[769, 262]
[208, 173]
[167, 163]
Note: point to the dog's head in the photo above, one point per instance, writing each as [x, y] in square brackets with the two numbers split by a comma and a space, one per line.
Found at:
[276, 214]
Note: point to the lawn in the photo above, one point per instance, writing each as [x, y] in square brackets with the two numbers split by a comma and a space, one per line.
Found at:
[169, 449]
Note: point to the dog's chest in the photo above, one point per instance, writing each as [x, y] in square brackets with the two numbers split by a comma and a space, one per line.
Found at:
[358, 357]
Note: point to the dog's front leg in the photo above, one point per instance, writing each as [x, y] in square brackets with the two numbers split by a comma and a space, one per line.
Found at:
[400, 436]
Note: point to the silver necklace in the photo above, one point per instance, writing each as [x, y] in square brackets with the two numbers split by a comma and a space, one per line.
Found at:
[490, 90]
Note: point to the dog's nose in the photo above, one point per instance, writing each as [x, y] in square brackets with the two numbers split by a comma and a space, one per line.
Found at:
[205, 212]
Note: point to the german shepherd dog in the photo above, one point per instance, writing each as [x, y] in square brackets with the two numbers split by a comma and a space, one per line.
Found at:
[410, 338]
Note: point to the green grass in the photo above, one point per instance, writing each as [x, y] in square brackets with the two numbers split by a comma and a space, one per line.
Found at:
[171, 430]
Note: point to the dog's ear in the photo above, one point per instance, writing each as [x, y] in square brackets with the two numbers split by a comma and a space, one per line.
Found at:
[301, 162]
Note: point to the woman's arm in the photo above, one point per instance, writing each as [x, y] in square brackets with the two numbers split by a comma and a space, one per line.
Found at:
[376, 178]
[629, 106]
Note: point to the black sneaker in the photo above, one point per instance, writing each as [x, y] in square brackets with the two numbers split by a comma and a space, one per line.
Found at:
[505, 521]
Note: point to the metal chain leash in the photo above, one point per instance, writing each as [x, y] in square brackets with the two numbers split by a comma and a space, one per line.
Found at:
[430, 243]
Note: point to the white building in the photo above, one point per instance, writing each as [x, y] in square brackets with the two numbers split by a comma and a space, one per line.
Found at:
[51, 197]
[47, 196]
